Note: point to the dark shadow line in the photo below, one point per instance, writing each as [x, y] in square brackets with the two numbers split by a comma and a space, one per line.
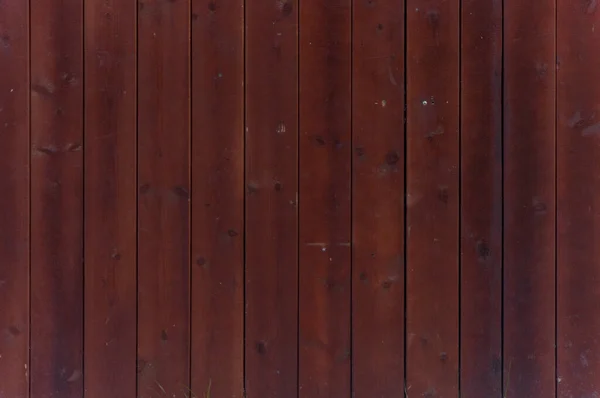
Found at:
[137, 200]
[556, 70]
[190, 200]
[405, 187]
[29, 113]
[83, 195]
[459, 177]
[351, 333]
[503, 388]
[244, 204]
[298, 297]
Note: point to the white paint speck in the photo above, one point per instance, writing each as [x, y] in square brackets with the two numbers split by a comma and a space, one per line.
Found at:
[280, 128]
[383, 103]
[424, 102]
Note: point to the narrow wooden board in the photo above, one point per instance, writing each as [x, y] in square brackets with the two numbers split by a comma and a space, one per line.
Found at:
[57, 198]
[14, 200]
[325, 276]
[378, 199]
[163, 198]
[217, 198]
[529, 199]
[432, 198]
[110, 199]
[578, 293]
[271, 199]
[481, 199]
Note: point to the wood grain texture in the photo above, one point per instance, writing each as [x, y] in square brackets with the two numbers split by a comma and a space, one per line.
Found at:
[14, 200]
[217, 198]
[529, 199]
[57, 198]
[271, 199]
[432, 197]
[110, 199]
[163, 198]
[378, 199]
[325, 275]
[578, 187]
[481, 199]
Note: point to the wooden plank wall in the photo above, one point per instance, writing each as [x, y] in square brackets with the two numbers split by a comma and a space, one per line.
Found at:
[578, 101]
[57, 202]
[432, 192]
[481, 199]
[331, 198]
[163, 205]
[110, 195]
[378, 32]
[15, 202]
[529, 199]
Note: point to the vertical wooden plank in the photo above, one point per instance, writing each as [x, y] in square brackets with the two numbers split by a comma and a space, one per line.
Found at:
[378, 199]
[57, 198]
[217, 198]
[578, 189]
[432, 197]
[529, 198]
[163, 197]
[481, 199]
[271, 198]
[325, 205]
[110, 199]
[14, 200]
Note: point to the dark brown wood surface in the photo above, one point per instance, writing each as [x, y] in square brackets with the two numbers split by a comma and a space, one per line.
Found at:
[325, 276]
[378, 199]
[57, 199]
[481, 199]
[217, 263]
[163, 198]
[14, 200]
[529, 199]
[578, 197]
[432, 198]
[271, 349]
[110, 199]
[334, 198]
